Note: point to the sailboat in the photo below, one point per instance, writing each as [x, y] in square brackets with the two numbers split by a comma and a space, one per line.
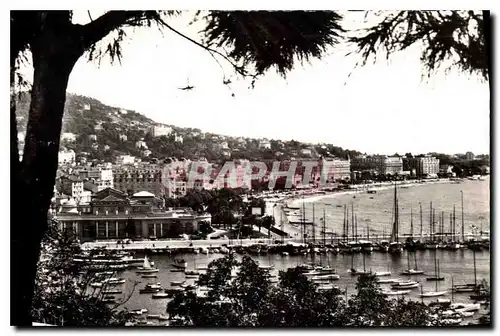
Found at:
[471, 287]
[395, 246]
[436, 276]
[432, 293]
[354, 271]
[383, 273]
[147, 268]
[411, 271]
[194, 273]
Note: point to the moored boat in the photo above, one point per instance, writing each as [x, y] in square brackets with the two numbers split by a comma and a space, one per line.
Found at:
[381, 281]
[160, 295]
[399, 292]
[382, 273]
[409, 286]
[148, 276]
[326, 277]
[180, 263]
[433, 294]
[177, 283]
[412, 272]
[173, 290]
[146, 268]
[114, 281]
[150, 289]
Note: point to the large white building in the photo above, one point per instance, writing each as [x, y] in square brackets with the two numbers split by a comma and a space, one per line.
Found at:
[161, 130]
[424, 166]
[335, 169]
[101, 177]
[393, 165]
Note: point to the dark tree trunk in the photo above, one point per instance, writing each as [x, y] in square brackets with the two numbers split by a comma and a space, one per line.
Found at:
[55, 44]
[35, 177]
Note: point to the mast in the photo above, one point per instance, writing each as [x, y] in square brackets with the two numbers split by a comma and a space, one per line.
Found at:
[430, 222]
[415, 257]
[451, 227]
[347, 224]
[394, 235]
[433, 224]
[475, 276]
[435, 264]
[353, 223]
[303, 220]
[463, 237]
[421, 226]
[454, 224]
[313, 227]
[364, 262]
[282, 225]
[343, 226]
[356, 226]
[442, 225]
[324, 228]
[437, 274]
[411, 223]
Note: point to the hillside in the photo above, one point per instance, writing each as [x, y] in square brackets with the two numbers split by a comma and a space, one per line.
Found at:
[84, 116]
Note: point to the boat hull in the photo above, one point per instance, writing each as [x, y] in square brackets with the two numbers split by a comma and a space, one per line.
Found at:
[433, 294]
[400, 292]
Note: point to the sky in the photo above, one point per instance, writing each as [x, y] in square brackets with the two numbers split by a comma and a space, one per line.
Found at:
[383, 108]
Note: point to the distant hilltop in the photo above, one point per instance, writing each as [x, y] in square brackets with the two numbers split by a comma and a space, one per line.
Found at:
[105, 132]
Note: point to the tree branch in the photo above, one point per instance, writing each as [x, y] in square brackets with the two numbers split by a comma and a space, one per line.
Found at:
[237, 68]
[96, 30]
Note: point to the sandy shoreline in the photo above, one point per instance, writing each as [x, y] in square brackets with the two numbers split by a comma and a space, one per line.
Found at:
[296, 201]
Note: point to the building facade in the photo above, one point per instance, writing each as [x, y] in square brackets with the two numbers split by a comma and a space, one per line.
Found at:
[72, 186]
[335, 170]
[424, 166]
[393, 166]
[135, 179]
[375, 164]
[111, 214]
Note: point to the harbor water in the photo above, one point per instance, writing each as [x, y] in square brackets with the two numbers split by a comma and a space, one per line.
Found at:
[456, 266]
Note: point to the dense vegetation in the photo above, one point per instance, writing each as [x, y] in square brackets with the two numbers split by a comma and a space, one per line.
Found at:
[250, 300]
[61, 295]
[227, 207]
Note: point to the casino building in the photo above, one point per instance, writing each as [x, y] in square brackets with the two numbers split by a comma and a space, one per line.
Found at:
[111, 214]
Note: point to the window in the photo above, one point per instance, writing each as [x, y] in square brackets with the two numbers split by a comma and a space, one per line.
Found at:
[151, 230]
